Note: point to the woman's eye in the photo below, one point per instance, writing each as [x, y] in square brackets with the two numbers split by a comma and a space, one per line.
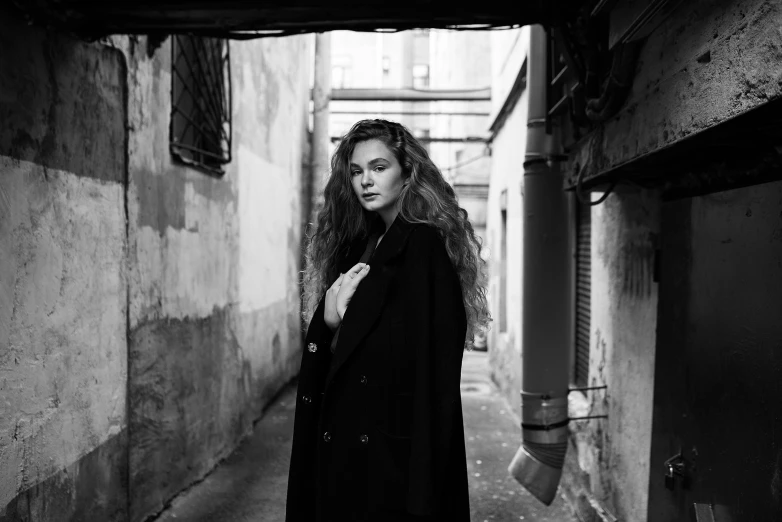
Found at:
[355, 173]
[380, 168]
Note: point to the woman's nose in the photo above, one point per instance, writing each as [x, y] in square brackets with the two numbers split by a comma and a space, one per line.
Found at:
[365, 180]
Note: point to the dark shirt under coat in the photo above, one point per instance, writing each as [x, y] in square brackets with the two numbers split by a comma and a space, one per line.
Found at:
[378, 434]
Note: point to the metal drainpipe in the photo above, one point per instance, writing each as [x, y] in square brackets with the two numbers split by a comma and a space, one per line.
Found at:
[321, 95]
[547, 311]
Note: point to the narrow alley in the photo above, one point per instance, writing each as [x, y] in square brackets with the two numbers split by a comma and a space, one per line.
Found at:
[250, 485]
[180, 185]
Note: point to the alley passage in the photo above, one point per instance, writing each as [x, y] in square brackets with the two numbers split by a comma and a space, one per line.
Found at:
[250, 485]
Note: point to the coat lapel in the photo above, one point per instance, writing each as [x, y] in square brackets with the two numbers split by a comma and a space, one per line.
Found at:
[368, 301]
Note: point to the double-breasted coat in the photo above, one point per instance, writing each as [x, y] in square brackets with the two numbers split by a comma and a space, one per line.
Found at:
[378, 434]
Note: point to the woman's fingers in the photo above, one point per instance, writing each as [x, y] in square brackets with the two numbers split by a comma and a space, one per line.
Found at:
[338, 281]
[357, 268]
[355, 275]
[330, 314]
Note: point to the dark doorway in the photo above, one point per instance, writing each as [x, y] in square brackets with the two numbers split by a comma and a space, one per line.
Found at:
[718, 373]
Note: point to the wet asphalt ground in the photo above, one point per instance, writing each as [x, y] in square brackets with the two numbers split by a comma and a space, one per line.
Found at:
[250, 485]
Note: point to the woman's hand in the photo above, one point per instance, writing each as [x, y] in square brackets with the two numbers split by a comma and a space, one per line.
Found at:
[348, 285]
[338, 296]
[330, 315]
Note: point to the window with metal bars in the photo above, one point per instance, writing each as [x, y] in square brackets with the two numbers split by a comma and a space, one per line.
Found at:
[200, 133]
[583, 294]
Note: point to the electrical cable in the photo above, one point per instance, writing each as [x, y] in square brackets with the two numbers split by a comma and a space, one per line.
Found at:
[580, 195]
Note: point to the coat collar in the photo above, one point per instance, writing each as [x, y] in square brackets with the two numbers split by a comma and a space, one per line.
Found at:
[368, 301]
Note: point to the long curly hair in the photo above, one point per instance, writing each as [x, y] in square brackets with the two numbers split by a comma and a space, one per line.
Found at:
[426, 198]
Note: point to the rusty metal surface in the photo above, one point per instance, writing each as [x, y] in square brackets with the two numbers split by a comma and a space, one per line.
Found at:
[251, 19]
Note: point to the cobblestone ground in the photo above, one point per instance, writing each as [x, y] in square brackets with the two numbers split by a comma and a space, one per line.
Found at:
[250, 485]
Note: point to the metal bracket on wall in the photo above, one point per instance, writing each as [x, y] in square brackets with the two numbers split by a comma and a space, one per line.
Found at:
[584, 389]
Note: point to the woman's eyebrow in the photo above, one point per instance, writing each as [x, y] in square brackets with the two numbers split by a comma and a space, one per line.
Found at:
[372, 162]
[378, 160]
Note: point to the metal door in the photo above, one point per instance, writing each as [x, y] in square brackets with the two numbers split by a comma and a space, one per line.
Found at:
[717, 419]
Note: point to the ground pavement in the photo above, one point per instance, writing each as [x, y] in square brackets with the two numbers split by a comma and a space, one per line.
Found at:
[250, 485]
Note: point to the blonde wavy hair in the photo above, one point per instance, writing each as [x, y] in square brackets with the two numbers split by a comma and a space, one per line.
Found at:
[427, 198]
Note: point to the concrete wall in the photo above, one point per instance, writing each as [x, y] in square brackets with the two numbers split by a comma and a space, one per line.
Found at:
[63, 282]
[214, 300]
[608, 459]
[507, 176]
[148, 311]
[706, 63]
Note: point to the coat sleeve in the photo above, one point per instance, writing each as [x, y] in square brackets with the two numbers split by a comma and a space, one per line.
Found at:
[435, 326]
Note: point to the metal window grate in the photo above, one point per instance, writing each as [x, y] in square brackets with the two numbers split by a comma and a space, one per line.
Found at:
[583, 294]
[200, 133]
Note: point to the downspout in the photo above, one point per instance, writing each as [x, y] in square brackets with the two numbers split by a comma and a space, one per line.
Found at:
[321, 96]
[317, 170]
[547, 311]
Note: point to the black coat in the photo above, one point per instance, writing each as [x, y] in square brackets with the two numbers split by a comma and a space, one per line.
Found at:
[378, 434]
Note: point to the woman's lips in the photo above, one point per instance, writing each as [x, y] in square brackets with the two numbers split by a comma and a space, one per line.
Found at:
[368, 196]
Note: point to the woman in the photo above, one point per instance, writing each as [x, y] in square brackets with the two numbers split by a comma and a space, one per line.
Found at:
[394, 270]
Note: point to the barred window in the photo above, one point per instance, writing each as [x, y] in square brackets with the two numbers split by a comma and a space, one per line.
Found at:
[420, 76]
[200, 133]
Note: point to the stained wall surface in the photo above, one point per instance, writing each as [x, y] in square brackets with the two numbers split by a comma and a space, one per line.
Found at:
[148, 311]
[706, 63]
[608, 459]
[214, 301]
[63, 279]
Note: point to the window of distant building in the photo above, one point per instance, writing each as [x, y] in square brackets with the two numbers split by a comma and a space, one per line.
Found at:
[421, 76]
[341, 72]
[200, 126]
[423, 135]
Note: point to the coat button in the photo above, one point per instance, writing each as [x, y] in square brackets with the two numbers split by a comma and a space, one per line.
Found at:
[307, 399]
[327, 437]
[312, 347]
[363, 379]
[364, 439]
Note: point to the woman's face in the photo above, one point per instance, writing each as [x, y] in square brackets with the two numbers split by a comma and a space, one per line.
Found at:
[377, 180]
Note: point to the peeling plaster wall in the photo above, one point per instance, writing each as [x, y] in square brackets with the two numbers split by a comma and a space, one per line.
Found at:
[148, 311]
[608, 459]
[214, 304]
[507, 176]
[63, 283]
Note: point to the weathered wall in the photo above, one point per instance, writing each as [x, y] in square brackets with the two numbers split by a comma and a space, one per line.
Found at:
[63, 286]
[214, 306]
[507, 176]
[608, 459]
[710, 61]
[148, 311]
